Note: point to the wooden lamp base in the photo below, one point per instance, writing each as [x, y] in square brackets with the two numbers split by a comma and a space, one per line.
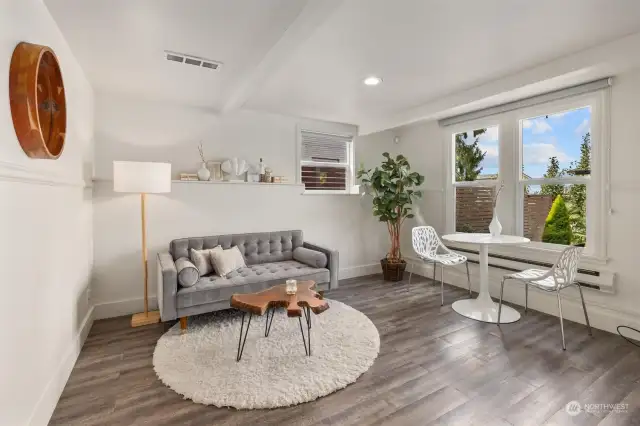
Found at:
[152, 317]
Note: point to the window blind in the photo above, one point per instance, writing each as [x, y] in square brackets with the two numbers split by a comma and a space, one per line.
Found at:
[527, 102]
[324, 161]
[325, 148]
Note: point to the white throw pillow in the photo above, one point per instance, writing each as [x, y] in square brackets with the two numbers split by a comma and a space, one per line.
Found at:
[202, 260]
[227, 261]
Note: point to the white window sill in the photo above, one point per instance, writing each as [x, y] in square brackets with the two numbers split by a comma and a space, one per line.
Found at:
[354, 190]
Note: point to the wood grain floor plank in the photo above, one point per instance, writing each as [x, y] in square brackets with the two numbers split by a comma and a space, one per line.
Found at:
[434, 367]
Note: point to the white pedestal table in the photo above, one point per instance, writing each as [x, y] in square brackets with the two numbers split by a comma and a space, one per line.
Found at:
[482, 308]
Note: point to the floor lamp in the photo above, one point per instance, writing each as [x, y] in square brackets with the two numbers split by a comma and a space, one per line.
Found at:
[142, 178]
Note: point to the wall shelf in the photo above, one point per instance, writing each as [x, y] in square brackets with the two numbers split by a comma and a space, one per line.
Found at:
[216, 182]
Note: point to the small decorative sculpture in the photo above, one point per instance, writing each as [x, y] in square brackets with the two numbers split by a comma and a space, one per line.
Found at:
[235, 169]
[253, 174]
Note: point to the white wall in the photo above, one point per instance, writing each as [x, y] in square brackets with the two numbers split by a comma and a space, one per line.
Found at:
[135, 129]
[423, 144]
[45, 223]
[420, 143]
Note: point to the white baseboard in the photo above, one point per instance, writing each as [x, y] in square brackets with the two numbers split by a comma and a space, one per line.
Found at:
[120, 308]
[130, 306]
[359, 271]
[600, 316]
[51, 394]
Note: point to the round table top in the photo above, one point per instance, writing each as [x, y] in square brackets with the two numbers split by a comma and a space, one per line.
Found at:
[470, 238]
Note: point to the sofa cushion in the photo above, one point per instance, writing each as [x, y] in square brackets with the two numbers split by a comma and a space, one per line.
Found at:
[226, 261]
[202, 259]
[245, 280]
[264, 247]
[188, 274]
[314, 258]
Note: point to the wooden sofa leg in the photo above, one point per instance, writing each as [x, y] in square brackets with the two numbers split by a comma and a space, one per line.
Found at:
[183, 323]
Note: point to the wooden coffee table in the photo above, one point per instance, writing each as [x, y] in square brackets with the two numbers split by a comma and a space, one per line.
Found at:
[306, 300]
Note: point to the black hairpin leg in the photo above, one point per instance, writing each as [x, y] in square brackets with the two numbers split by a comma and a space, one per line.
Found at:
[267, 325]
[306, 342]
[307, 316]
[242, 341]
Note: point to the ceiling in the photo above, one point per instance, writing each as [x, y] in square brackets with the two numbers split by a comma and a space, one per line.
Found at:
[120, 44]
[308, 58]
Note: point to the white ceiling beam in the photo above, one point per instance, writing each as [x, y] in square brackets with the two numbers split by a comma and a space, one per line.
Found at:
[310, 18]
[601, 61]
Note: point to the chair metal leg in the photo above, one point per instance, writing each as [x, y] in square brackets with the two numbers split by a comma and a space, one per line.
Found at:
[564, 347]
[526, 297]
[434, 270]
[584, 308]
[500, 303]
[468, 278]
[441, 285]
[411, 273]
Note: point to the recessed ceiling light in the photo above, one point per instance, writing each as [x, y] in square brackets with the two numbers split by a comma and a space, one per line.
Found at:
[372, 81]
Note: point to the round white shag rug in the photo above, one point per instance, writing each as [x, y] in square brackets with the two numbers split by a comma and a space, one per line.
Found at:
[274, 371]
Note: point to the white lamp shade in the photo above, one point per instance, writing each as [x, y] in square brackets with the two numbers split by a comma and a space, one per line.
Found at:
[141, 177]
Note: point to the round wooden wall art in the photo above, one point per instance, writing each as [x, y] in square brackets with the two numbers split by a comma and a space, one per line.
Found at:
[38, 106]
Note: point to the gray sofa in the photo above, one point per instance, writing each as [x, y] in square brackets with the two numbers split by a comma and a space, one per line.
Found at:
[270, 261]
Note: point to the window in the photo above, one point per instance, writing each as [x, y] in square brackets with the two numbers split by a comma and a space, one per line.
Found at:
[552, 158]
[476, 173]
[326, 162]
[555, 178]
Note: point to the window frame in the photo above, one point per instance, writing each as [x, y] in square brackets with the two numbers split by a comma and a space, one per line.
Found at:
[452, 184]
[349, 167]
[511, 203]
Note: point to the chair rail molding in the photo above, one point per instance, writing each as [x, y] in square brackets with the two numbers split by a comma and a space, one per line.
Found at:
[14, 172]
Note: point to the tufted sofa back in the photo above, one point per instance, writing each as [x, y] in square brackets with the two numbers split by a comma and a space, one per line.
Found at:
[259, 247]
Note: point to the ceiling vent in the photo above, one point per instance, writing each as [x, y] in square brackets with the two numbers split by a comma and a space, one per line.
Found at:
[192, 60]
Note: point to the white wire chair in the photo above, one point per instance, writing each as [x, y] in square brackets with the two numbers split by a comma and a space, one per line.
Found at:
[429, 248]
[561, 275]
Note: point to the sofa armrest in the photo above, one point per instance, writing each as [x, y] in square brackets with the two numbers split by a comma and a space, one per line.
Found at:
[333, 263]
[167, 287]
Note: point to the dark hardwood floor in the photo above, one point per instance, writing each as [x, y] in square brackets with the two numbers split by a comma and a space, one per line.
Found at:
[435, 368]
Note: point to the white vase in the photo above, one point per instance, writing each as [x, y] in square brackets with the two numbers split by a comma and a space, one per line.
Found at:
[203, 172]
[495, 228]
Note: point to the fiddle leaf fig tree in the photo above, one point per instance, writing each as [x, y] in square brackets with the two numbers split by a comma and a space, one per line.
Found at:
[393, 188]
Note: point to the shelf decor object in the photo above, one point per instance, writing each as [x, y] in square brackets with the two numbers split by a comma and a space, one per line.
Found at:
[142, 178]
[495, 227]
[235, 169]
[38, 103]
[215, 167]
[203, 172]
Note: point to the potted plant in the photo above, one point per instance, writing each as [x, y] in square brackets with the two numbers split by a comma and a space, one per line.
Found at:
[392, 186]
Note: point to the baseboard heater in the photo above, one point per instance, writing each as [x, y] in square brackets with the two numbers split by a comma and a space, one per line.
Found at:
[529, 262]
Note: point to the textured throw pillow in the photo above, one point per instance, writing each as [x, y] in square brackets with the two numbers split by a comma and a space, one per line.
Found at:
[188, 274]
[310, 257]
[227, 261]
[202, 260]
